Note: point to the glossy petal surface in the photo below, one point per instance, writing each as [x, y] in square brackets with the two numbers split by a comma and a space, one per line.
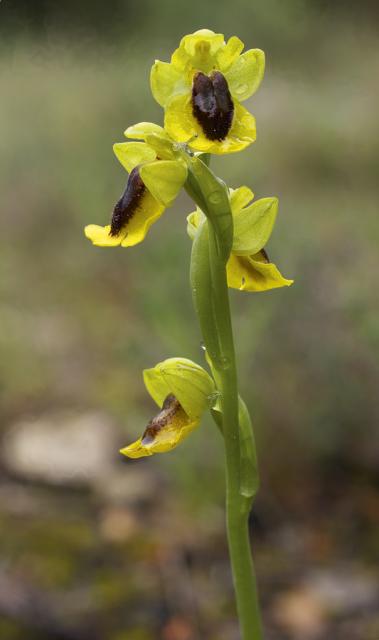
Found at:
[246, 74]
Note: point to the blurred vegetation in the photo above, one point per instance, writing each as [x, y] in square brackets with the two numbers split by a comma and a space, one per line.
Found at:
[79, 323]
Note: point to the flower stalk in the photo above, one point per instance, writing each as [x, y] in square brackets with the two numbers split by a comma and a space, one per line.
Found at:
[210, 253]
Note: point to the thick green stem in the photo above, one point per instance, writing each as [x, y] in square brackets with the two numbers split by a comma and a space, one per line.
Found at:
[210, 290]
[237, 506]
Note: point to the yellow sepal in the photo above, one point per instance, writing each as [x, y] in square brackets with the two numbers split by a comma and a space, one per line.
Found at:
[164, 179]
[162, 145]
[140, 130]
[229, 54]
[131, 154]
[185, 379]
[166, 81]
[253, 226]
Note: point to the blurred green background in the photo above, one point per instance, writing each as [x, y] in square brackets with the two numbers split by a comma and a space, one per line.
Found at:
[97, 547]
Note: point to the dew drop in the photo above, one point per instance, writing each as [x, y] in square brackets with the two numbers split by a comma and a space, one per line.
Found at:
[215, 198]
[225, 362]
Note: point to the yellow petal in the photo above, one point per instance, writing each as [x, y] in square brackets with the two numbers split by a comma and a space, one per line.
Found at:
[140, 130]
[148, 212]
[170, 427]
[166, 441]
[198, 51]
[229, 54]
[183, 127]
[166, 82]
[243, 128]
[131, 154]
[202, 40]
[164, 179]
[240, 198]
[246, 73]
[254, 273]
[100, 237]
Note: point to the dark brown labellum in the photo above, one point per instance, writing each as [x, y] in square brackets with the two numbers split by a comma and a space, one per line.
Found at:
[171, 406]
[212, 104]
[127, 205]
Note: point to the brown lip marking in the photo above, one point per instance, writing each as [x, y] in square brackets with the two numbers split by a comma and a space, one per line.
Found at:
[171, 406]
[212, 104]
[127, 205]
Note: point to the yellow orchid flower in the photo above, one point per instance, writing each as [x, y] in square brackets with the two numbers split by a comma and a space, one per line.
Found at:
[201, 90]
[153, 184]
[248, 267]
[183, 390]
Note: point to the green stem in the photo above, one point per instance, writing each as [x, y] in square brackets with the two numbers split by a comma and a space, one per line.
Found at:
[237, 506]
[210, 290]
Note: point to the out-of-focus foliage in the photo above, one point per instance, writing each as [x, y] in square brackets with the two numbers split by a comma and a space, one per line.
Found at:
[78, 323]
